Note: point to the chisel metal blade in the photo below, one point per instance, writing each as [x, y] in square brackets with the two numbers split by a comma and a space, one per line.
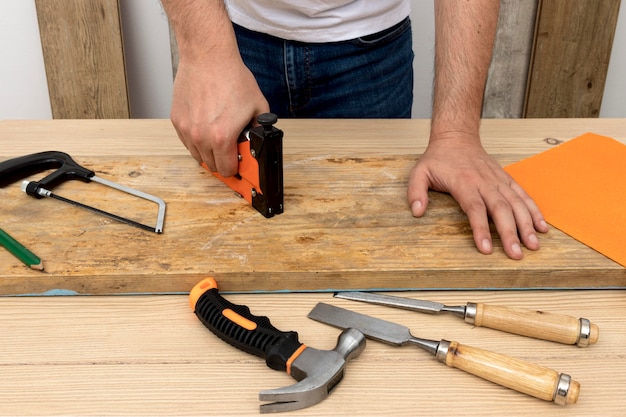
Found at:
[423, 306]
[372, 327]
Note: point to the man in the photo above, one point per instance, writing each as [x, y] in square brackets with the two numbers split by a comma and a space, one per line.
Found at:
[216, 95]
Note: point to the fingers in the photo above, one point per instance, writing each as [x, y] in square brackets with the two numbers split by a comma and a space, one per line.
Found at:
[211, 106]
[515, 215]
[215, 144]
[226, 156]
[539, 222]
[479, 222]
[417, 192]
[217, 149]
[485, 193]
[508, 218]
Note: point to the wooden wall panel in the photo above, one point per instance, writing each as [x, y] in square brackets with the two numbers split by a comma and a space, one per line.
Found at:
[174, 51]
[84, 58]
[505, 91]
[573, 42]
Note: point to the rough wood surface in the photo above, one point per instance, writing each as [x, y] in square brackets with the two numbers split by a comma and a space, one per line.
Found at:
[346, 222]
[84, 59]
[150, 356]
[573, 42]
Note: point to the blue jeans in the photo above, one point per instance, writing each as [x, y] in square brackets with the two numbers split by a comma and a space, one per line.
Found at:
[368, 77]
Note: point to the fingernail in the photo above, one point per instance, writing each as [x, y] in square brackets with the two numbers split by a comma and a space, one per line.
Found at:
[533, 239]
[416, 207]
[543, 224]
[515, 248]
[486, 244]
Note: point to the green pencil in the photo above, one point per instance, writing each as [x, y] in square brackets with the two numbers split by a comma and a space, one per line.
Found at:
[20, 251]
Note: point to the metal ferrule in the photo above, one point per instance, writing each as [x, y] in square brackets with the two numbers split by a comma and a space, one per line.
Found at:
[585, 332]
[562, 389]
[470, 313]
[442, 351]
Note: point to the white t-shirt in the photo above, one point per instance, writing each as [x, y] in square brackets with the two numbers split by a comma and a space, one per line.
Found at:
[318, 20]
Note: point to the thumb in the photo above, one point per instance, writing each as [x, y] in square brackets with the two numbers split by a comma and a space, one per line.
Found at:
[417, 192]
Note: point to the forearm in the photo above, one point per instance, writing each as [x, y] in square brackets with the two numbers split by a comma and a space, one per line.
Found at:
[215, 95]
[454, 161]
[464, 36]
[202, 27]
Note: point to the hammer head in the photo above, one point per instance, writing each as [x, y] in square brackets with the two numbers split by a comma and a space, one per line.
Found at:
[317, 373]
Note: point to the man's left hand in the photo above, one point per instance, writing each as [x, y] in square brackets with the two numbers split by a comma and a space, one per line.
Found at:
[460, 166]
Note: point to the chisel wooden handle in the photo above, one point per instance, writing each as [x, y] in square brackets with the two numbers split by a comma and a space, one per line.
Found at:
[535, 380]
[538, 324]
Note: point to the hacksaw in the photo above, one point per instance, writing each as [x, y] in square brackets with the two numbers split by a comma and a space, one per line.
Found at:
[67, 169]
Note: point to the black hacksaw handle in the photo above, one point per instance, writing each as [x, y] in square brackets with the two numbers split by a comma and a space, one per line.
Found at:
[237, 326]
[23, 166]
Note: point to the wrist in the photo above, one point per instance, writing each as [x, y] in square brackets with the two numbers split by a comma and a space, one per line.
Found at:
[468, 134]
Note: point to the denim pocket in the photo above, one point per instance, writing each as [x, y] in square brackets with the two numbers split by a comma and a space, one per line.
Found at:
[384, 36]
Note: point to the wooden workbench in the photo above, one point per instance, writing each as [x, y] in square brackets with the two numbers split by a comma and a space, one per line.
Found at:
[150, 356]
[346, 225]
[346, 222]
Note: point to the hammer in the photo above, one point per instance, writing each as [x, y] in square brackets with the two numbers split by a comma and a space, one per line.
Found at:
[317, 371]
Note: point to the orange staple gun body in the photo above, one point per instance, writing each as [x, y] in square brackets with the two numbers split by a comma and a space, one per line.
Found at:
[260, 176]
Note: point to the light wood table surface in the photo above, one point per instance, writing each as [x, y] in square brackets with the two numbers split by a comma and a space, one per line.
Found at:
[147, 354]
[150, 355]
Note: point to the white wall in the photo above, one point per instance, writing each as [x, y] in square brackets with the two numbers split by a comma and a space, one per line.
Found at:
[148, 59]
[614, 99]
[23, 87]
[423, 25]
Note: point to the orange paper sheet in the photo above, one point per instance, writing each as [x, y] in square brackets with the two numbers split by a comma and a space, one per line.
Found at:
[580, 187]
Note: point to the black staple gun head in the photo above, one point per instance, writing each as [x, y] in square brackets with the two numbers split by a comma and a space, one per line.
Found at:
[67, 169]
[260, 176]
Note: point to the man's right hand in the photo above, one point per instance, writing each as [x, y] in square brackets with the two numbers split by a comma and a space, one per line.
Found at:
[215, 95]
[211, 106]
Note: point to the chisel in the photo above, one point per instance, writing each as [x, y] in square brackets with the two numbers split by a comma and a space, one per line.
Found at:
[534, 380]
[538, 324]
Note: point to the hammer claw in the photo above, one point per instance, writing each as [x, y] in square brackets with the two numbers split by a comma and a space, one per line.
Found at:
[318, 373]
[279, 407]
[294, 397]
[282, 406]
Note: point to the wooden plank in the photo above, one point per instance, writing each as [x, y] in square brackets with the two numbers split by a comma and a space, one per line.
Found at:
[506, 85]
[83, 53]
[346, 222]
[573, 43]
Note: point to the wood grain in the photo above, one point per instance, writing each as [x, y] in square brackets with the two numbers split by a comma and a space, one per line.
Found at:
[150, 355]
[532, 323]
[346, 223]
[84, 59]
[573, 42]
[534, 380]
